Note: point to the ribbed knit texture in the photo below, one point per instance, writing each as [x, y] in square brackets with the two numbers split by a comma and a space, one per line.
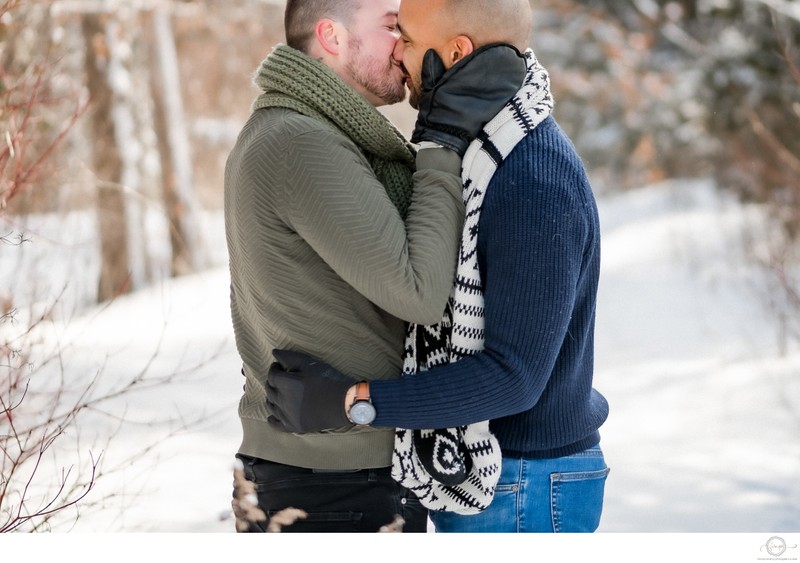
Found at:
[321, 261]
[539, 257]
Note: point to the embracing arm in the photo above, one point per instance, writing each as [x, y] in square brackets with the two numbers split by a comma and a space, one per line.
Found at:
[533, 245]
[340, 209]
[408, 269]
[531, 253]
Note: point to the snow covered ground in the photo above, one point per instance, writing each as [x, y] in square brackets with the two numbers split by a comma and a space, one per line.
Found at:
[704, 431]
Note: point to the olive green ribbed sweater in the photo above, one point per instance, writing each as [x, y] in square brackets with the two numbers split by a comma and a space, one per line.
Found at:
[321, 261]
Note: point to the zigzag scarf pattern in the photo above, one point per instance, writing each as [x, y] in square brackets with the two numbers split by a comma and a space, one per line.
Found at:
[456, 469]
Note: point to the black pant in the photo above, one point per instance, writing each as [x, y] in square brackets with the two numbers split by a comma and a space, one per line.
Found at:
[360, 500]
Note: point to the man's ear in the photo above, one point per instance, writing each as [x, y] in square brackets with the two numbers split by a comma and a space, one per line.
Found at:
[459, 48]
[329, 35]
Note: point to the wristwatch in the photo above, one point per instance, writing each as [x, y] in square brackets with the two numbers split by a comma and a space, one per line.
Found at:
[362, 412]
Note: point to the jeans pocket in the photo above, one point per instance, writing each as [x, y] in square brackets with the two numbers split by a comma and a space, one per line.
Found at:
[500, 517]
[325, 522]
[576, 500]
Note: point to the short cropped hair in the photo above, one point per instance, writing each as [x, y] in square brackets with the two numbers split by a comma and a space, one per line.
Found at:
[302, 15]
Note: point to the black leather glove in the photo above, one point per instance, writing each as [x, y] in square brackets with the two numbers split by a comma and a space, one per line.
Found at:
[305, 394]
[455, 104]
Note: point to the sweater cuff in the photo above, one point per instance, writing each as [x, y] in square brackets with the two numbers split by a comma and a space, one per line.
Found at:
[439, 158]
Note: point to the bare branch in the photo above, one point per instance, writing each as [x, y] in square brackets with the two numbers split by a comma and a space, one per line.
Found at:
[790, 9]
[245, 501]
[395, 527]
[285, 517]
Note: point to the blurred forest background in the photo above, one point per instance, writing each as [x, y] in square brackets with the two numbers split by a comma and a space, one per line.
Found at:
[127, 110]
[125, 107]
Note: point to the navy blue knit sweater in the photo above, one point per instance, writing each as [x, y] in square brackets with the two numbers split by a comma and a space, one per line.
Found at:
[539, 257]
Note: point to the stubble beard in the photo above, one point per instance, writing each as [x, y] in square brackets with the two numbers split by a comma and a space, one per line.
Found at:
[413, 95]
[375, 76]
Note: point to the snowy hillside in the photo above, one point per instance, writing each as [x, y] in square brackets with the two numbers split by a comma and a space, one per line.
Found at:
[704, 432]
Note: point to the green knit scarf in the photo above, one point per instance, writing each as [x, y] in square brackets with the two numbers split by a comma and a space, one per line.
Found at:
[291, 79]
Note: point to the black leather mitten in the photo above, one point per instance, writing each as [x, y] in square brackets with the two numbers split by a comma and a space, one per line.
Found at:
[305, 394]
[456, 103]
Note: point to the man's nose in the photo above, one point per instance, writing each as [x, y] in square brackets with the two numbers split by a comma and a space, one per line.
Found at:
[397, 54]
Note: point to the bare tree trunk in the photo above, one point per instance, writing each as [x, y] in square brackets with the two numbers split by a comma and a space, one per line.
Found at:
[107, 163]
[179, 197]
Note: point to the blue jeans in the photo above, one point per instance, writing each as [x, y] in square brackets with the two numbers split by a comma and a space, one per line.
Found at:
[540, 495]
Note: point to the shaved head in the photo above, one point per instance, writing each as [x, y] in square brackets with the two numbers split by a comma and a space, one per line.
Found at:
[454, 29]
[485, 21]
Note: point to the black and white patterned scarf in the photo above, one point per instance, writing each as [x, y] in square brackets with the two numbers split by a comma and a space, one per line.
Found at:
[457, 469]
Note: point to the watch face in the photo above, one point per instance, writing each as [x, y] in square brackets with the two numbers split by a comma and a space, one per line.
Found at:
[362, 412]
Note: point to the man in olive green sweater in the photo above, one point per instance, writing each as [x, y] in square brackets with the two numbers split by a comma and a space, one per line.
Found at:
[338, 233]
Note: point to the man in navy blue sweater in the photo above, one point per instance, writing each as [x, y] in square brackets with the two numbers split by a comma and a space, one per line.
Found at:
[537, 246]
